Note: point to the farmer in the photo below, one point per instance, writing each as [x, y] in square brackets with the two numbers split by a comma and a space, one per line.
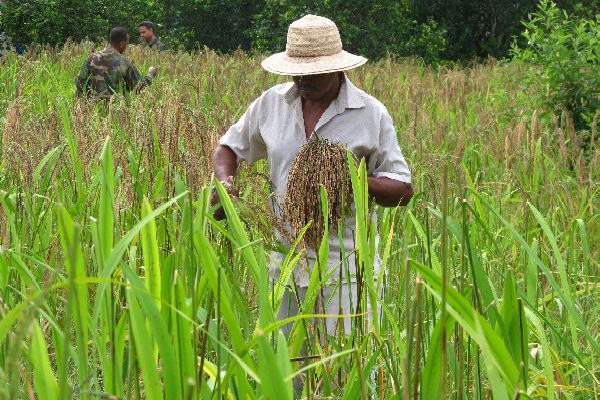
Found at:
[149, 39]
[107, 72]
[321, 101]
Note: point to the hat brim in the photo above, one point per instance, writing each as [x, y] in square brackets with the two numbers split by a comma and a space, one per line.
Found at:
[282, 64]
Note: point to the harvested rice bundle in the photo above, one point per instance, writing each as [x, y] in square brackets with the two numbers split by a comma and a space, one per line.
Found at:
[318, 162]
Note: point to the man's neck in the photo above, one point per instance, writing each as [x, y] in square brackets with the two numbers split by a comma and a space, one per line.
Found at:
[110, 46]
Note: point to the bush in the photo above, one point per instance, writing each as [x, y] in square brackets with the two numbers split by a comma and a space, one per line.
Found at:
[562, 61]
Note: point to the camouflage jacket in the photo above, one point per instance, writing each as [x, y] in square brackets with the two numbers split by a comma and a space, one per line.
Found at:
[107, 72]
[155, 45]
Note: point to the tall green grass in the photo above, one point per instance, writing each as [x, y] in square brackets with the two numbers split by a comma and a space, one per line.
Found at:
[116, 280]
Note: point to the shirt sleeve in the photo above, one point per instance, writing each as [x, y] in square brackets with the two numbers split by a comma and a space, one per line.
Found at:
[81, 81]
[134, 80]
[244, 137]
[388, 161]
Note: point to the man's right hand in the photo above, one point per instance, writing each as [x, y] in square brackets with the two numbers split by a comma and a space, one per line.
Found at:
[153, 70]
[228, 185]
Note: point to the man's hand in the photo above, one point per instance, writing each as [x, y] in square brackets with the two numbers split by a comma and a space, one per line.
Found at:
[228, 185]
[153, 71]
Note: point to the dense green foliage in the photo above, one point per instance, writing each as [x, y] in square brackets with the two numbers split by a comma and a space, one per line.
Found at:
[481, 29]
[430, 29]
[562, 58]
[54, 21]
[370, 28]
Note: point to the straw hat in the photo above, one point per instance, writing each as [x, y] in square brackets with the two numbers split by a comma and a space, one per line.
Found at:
[313, 47]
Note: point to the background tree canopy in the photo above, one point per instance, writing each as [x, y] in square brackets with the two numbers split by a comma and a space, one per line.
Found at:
[434, 30]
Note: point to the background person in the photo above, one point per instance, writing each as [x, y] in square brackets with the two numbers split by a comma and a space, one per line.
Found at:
[107, 72]
[149, 39]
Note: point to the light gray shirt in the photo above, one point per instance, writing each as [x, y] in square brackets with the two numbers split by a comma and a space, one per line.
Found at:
[273, 128]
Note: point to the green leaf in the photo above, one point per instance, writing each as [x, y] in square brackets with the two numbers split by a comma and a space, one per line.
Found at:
[77, 287]
[142, 338]
[106, 212]
[45, 382]
[152, 269]
[432, 371]
[257, 266]
[514, 326]
[272, 383]
[284, 365]
[534, 258]
[474, 325]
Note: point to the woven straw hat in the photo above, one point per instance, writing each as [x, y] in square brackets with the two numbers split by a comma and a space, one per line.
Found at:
[313, 47]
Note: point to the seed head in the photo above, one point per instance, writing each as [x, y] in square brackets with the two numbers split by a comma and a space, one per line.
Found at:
[319, 162]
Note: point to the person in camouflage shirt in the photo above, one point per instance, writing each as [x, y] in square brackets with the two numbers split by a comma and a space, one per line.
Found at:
[149, 39]
[107, 72]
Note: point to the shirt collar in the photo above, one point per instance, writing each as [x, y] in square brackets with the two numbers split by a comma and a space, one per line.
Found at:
[352, 94]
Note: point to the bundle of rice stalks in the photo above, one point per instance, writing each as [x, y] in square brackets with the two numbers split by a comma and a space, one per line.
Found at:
[319, 162]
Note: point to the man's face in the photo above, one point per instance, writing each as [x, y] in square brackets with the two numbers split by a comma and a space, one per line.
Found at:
[315, 87]
[146, 34]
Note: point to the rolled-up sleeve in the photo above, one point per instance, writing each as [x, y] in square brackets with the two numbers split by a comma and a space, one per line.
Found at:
[135, 81]
[388, 160]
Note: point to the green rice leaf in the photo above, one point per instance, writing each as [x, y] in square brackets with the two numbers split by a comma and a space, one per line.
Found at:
[142, 339]
[45, 382]
[256, 266]
[513, 324]
[548, 370]
[284, 365]
[106, 213]
[152, 269]
[574, 315]
[77, 287]
[119, 249]
[272, 384]
[432, 371]
[500, 391]
[474, 324]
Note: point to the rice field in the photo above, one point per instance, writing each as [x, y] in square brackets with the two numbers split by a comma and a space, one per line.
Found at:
[116, 282]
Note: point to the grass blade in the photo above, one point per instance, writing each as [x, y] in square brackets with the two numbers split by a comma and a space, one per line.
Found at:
[45, 382]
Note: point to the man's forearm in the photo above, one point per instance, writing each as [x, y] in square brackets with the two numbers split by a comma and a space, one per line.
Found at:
[224, 162]
[389, 192]
[225, 167]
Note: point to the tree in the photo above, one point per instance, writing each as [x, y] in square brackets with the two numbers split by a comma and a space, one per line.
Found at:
[563, 59]
[54, 21]
[485, 28]
[370, 28]
[222, 25]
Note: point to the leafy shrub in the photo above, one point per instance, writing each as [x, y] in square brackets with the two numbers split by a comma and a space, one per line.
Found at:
[562, 58]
